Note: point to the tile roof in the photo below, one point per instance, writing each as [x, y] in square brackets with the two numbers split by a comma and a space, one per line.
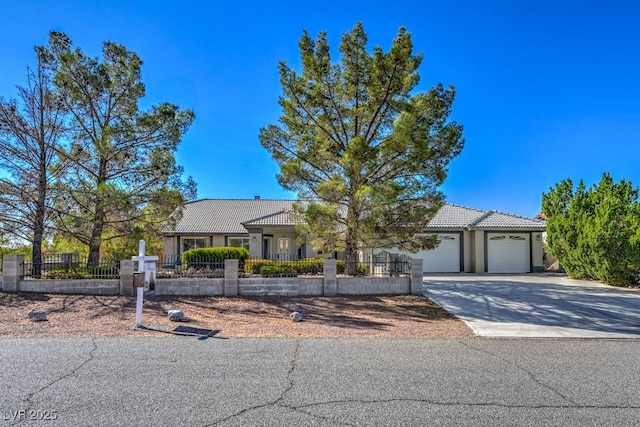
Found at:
[459, 217]
[454, 216]
[279, 218]
[226, 216]
[507, 221]
[232, 216]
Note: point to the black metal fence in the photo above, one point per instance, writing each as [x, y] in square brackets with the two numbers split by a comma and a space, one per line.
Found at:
[69, 266]
[74, 266]
[171, 266]
[383, 264]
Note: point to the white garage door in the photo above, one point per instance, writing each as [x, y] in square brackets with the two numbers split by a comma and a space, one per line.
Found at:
[445, 258]
[508, 253]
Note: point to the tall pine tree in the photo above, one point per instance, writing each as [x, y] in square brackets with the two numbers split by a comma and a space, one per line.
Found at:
[121, 159]
[361, 146]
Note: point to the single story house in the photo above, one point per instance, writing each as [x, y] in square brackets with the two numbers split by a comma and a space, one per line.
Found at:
[471, 240]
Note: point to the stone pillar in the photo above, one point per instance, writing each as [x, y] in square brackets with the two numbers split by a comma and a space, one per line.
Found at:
[330, 280]
[416, 276]
[126, 278]
[12, 272]
[230, 277]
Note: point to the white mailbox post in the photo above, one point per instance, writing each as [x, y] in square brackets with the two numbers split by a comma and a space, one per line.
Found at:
[146, 267]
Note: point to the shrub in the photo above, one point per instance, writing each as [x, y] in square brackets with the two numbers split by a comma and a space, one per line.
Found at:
[307, 266]
[70, 273]
[212, 256]
[310, 266]
[277, 271]
[253, 266]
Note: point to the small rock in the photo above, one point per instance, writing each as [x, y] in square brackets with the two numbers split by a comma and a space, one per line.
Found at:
[37, 315]
[176, 315]
[296, 316]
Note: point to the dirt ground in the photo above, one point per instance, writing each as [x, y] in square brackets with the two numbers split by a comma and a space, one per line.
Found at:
[403, 316]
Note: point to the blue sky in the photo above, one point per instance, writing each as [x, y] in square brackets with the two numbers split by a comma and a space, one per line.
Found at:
[546, 90]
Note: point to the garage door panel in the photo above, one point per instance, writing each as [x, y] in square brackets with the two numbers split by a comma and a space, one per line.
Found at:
[445, 258]
[508, 253]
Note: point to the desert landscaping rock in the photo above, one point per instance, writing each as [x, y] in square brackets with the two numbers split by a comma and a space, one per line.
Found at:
[177, 316]
[37, 315]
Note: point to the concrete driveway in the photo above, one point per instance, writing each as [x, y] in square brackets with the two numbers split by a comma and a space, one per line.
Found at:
[537, 305]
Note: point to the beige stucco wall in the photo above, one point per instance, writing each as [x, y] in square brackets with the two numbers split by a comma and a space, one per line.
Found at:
[536, 251]
[478, 248]
[255, 245]
[466, 251]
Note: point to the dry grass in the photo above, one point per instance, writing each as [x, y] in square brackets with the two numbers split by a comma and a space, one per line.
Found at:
[404, 316]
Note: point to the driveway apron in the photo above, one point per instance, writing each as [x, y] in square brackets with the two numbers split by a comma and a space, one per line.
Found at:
[537, 305]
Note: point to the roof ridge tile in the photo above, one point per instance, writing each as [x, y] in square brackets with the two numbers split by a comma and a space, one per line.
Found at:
[480, 218]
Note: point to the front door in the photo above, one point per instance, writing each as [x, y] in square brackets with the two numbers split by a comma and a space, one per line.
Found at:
[266, 248]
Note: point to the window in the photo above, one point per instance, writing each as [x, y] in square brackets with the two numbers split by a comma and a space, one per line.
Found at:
[283, 246]
[194, 243]
[238, 242]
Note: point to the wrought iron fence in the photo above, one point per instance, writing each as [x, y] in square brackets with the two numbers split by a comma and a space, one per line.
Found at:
[383, 264]
[171, 266]
[74, 266]
[69, 266]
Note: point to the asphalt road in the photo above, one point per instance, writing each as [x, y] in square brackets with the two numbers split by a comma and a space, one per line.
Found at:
[538, 306]
[174, 381]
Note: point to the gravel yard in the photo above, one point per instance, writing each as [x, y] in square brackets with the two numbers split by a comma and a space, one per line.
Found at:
[402, 316]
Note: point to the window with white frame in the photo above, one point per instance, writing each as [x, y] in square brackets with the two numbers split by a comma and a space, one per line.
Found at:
[283, 245]
[238, 242]
[194, 243]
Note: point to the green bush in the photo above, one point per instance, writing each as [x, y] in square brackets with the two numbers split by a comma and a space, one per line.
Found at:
[595, 233]
[307, 266]
[69, 273]
[253, 266]
[277, 271]
[195, 257]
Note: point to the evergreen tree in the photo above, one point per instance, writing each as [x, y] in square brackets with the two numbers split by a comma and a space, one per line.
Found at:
[595, 233]
[364, 150]
[121, 159]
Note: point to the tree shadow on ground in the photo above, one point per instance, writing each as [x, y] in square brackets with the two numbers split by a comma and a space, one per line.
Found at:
[356, 312]
[596, 308]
